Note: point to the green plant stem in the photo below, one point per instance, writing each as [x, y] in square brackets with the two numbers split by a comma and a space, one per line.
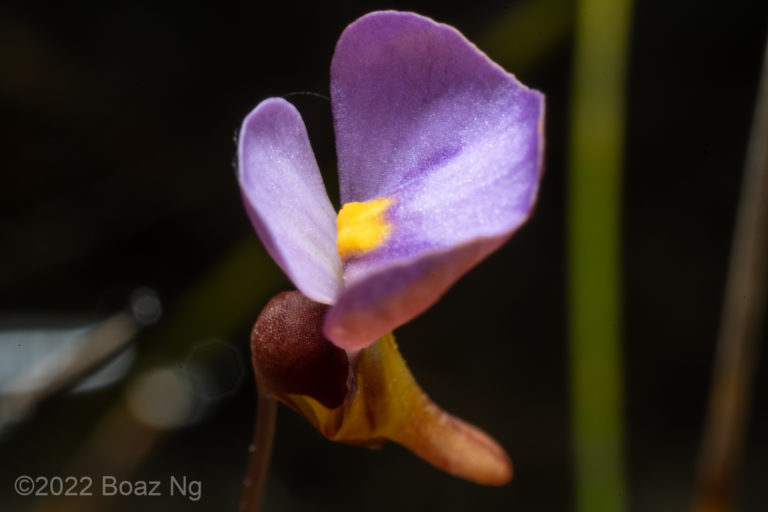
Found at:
[261, 449]
[594, 296]
[743, 312]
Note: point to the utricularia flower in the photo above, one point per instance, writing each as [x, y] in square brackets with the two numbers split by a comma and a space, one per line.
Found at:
[439, 159]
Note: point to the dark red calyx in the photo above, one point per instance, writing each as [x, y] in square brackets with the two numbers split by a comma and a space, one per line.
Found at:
[291, 355]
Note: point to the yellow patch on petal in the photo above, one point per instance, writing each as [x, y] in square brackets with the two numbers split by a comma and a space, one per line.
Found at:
[362, 226]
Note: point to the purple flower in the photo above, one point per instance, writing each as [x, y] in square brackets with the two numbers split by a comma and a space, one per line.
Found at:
[439, 156]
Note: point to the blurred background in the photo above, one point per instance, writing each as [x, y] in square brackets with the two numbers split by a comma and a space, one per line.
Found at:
[123, 233]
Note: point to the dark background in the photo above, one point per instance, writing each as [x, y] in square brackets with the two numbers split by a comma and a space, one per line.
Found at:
[117, 144]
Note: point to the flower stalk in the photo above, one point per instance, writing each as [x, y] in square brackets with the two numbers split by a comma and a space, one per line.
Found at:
[260, 450]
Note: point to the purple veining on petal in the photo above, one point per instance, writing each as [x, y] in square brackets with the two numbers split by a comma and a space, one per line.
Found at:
[424, 117]
[436, 159]
[403, 86]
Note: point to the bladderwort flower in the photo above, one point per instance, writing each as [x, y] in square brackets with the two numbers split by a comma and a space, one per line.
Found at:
[439, 158]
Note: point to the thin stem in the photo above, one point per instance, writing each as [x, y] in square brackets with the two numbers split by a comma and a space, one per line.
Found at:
[743, 310]
[594, 255]
[261, 449]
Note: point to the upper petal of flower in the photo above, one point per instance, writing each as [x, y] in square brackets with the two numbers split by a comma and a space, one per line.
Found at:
[451, 141]
[286, 200]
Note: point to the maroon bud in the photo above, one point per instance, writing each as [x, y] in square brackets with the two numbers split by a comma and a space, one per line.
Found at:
[291, 355]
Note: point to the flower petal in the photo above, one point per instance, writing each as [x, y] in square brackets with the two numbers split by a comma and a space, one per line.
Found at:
[286, 200]
[425, 119]
[380, 301]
